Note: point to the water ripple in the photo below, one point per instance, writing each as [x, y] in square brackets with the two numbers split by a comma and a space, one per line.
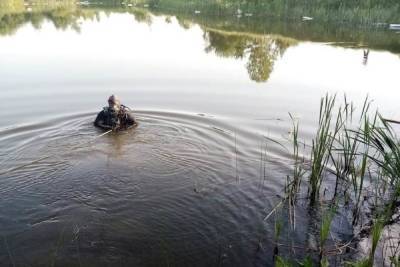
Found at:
[186, 183]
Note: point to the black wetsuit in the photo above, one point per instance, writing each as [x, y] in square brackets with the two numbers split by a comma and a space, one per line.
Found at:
[110, 119]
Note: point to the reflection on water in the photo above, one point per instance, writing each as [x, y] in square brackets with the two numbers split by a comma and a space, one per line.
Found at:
[261, 51]
[365, 57]
[226, 36]
[14, 14]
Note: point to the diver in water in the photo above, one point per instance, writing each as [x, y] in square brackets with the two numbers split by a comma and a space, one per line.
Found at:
[116, 116]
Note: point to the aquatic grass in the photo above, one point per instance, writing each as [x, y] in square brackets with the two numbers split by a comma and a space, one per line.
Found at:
[359, 174]
[344, 150]
[263, 163]
[281, 262]
[342, 157]
[324, 232]
[307, 262]
[298, 170]
[386, 156]
[376, 235]
[336, 144]
[322, 145]
[386, 142]
[363, 152]
[278, 229]
[360, 263]
[395, 258]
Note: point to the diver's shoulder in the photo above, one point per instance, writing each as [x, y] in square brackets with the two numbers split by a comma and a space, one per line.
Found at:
[105, 111]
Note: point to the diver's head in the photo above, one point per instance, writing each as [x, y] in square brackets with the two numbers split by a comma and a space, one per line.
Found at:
[114, 103]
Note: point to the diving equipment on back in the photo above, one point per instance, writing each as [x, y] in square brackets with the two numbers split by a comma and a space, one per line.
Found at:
[115, 116]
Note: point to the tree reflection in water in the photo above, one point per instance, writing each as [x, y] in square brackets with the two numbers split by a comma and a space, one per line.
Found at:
[258, 41]
[261, 51]
[63, 15]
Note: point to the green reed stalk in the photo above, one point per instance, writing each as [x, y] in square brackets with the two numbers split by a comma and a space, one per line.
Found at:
[385, 142]
[344, 150]
[281, 262]
[323, 144]
[361, 172]
[278, 229]
[376, 236]
[368, 152]
[343, 157]
[324, 232]
[298, 170]
[351, 151]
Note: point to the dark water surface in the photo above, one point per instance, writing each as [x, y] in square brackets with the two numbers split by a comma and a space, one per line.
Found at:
[192, 184]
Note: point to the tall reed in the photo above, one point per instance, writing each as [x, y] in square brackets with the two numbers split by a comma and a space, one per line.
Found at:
[363, 154]
[322, 144]
[298, 170]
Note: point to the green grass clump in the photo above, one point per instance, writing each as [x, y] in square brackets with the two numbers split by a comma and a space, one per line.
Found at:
[321, 146]
[361, 154]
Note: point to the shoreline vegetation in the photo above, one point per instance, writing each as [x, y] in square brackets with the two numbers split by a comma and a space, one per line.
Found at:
[360, 156]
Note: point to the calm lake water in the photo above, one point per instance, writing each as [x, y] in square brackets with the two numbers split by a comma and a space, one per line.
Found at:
[191, 185]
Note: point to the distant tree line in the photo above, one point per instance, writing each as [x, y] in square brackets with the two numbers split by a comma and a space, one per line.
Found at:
[349, 11]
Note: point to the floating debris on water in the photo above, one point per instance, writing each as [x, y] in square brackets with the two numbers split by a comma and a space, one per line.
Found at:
[84, 3]
[305, 18]
[380, 24]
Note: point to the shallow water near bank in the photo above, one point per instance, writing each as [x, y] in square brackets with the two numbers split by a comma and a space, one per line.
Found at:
[193, 183]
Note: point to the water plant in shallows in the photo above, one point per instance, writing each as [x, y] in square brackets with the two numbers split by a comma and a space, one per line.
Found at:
[357, 159]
